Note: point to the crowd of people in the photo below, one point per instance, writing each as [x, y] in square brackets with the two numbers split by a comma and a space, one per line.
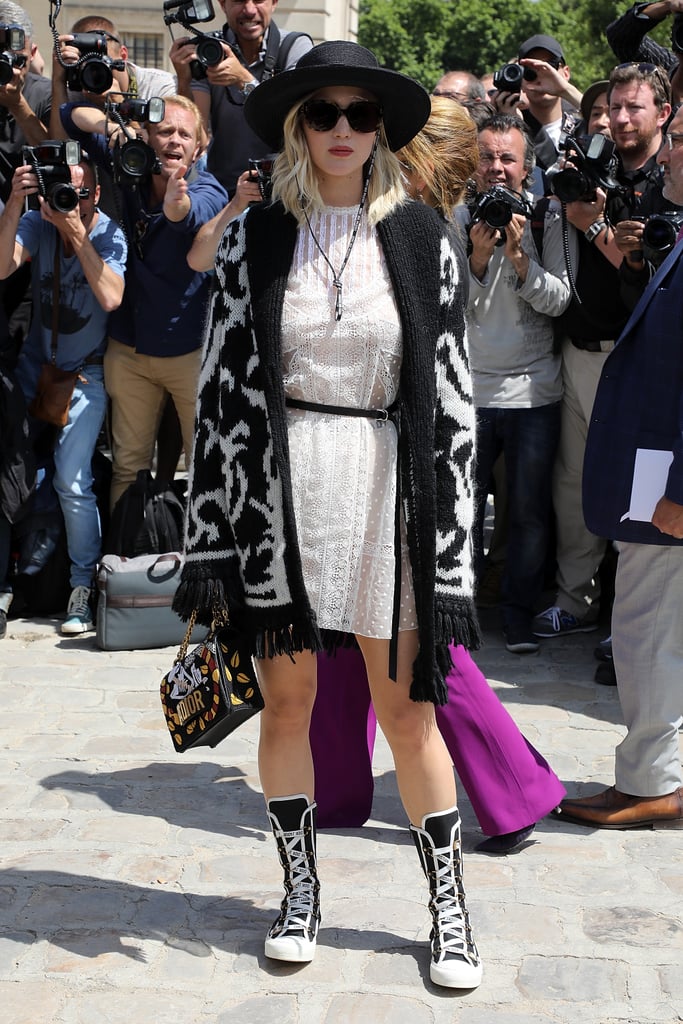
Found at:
[442, 300]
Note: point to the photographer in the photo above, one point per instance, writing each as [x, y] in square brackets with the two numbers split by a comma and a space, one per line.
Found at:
[24, 100]
[254, 49]
[628, 37]
[155, 336]
[78, 258]
[612, 273]
[515, 292]
[543, 83]
[131, 79]
[24, 118]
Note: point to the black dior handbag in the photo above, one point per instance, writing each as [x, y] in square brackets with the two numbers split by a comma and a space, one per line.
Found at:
[211, 690]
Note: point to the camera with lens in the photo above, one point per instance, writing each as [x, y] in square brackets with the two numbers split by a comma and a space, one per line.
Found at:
[209, 48]
[93, 71]
[593, 164]
[509, 78]
[134, 160]
[51, 163]
[497, 206]
[261, 171]
[12, 38]
[659, 235]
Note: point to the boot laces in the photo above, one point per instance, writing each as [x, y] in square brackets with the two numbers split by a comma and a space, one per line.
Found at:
[298, 907]
[451, 933]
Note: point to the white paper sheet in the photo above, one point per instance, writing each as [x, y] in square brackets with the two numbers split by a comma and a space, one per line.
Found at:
[650, 474]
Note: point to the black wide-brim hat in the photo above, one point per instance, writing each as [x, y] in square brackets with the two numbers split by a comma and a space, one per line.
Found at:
[405, 104]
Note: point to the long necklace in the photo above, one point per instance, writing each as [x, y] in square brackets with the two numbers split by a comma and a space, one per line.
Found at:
[337, 274]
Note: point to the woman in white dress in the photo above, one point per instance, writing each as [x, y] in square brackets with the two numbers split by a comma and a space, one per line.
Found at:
[330, 494]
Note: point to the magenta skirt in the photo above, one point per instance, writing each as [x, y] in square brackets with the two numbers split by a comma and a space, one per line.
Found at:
[509, 784]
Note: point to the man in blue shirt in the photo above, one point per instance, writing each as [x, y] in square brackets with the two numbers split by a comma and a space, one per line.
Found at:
[86, 252]
[156, 335]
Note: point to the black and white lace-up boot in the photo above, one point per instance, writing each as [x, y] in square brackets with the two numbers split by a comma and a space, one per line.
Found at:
[455, 960]
[293, 936]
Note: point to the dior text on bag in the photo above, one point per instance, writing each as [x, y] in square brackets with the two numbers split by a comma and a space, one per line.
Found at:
[211, 690]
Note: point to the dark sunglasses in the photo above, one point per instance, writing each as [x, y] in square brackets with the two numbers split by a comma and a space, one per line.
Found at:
[363, 115]
[645, 69]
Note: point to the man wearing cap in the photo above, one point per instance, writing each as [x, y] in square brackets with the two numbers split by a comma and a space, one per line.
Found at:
[548, 96]
[629, 39]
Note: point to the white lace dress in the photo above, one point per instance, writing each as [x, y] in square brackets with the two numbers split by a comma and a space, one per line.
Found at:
[344, 468]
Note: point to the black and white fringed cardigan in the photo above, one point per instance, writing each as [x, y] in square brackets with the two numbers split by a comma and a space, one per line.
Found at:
[241, 543]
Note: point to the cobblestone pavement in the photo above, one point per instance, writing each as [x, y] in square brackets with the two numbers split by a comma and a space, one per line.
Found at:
[136, 885]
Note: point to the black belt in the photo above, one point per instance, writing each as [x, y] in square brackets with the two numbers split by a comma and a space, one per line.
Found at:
[341, 410]
[94, 361]
[587, 344]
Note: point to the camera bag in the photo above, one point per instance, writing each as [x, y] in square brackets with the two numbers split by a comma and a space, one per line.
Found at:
[134, 602]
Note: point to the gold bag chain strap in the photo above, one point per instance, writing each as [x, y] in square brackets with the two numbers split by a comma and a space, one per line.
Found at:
[220, 618]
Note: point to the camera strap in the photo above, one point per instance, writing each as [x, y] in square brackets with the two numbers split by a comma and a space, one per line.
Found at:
[55, 301]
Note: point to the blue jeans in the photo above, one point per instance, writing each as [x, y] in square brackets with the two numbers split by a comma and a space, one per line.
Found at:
[73, 479]
[528, 439]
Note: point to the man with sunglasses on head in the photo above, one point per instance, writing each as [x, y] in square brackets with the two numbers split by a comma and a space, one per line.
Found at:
[79, 258]
[255, 49]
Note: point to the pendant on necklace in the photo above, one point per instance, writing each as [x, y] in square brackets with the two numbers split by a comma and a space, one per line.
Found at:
[338, 299]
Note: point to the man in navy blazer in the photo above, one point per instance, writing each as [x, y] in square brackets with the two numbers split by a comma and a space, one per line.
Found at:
[639, 406]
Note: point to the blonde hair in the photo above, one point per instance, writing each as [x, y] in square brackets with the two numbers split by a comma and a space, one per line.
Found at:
[295, 182]
[445, 153]
[188, 105]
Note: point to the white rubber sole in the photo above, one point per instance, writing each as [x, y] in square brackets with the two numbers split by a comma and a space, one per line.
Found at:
[293, 949]
[456, 974]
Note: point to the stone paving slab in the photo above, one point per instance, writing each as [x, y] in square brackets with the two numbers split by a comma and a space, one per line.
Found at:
[136, 886]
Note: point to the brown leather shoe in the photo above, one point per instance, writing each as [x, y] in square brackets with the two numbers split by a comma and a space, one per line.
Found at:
[612, 809]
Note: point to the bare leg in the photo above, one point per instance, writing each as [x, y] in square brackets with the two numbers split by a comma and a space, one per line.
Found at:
[285, 761]
[424, 770]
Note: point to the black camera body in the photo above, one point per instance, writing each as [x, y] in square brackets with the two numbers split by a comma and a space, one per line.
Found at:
[659, 235]
[497, 206]
[210, 53]
[134, 160]
[509, 78]
[51, 162]
[12, 38]
[93, 70]
[594, 165]
[262, 170]
[187, 13]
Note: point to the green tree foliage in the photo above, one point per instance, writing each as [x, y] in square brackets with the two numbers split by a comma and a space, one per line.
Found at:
[423, 40]
[483, 36]
[407, 37]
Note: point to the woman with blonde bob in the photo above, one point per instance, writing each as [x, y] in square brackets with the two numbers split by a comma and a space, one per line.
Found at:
[330, 496]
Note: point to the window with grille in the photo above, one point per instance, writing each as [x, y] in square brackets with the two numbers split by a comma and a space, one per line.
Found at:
[146, 50]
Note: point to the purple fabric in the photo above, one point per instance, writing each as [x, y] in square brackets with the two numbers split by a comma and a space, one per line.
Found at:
[343, 727]
[510, 785]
